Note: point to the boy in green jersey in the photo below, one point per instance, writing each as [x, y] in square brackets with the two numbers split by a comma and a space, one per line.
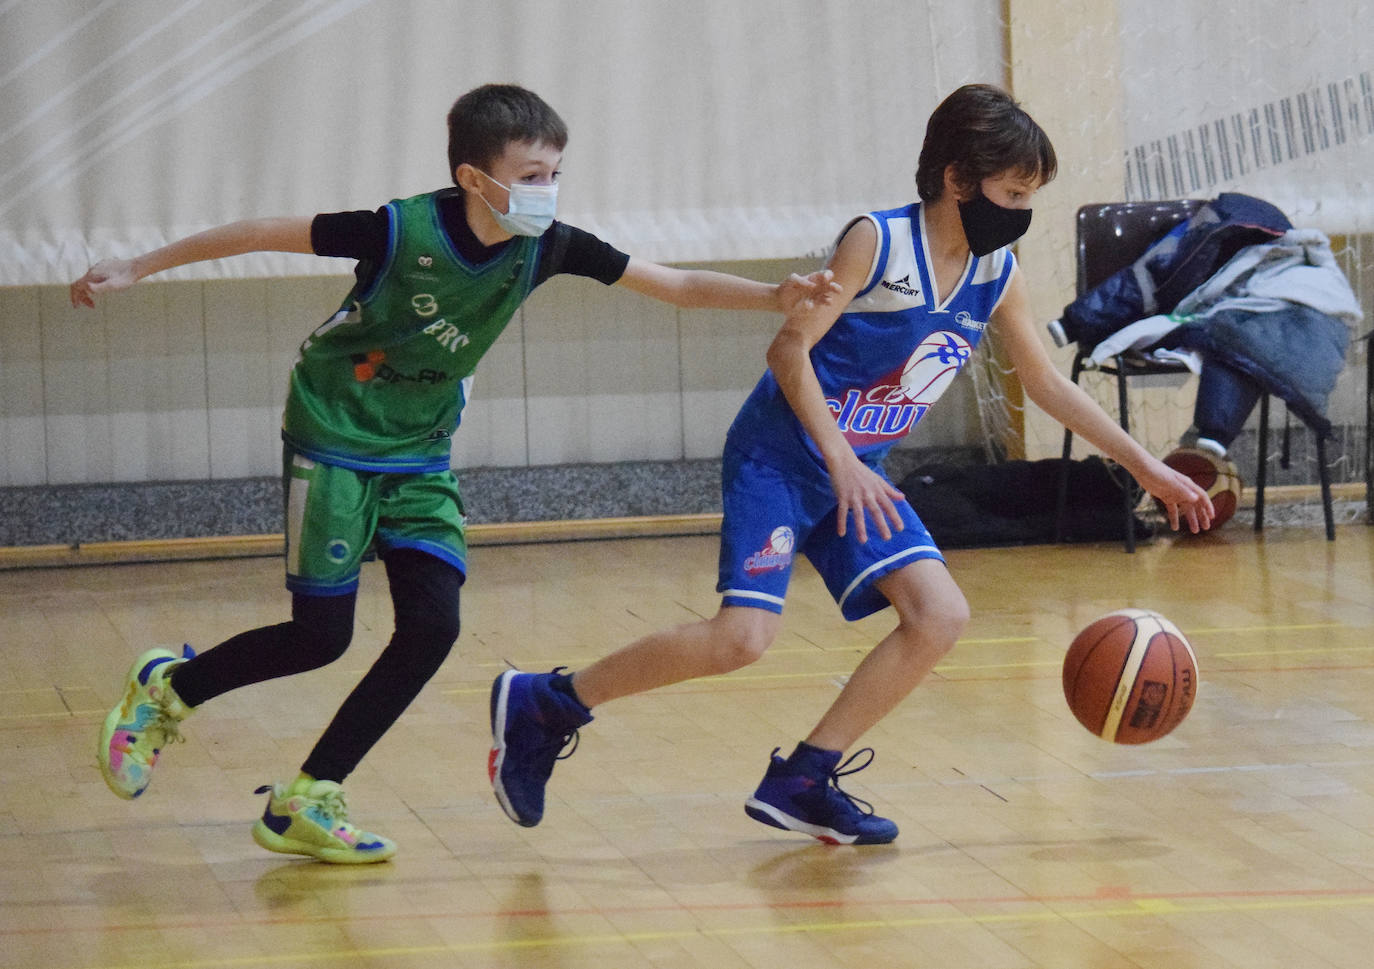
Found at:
[374, 399]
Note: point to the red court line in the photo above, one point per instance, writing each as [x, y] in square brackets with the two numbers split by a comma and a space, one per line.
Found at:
[1206, 671]
[1106, 893]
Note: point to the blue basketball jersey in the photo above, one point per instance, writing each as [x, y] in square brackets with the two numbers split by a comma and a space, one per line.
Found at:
[889, 356]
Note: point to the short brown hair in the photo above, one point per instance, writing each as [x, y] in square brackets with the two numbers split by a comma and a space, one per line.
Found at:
[486, 119]
[981, 131]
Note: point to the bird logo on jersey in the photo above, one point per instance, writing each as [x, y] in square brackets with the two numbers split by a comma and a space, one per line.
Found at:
[888, 409]
[934, 365]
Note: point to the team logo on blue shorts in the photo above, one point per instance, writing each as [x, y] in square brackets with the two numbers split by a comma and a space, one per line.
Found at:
[777, 554]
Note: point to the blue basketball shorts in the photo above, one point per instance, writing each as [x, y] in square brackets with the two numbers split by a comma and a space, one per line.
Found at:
[771, 515]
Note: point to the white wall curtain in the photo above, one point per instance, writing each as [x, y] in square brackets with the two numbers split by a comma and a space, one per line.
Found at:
[1271, 99]
[701, 129]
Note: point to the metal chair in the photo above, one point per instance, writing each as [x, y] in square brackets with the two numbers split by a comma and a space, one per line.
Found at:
[1111, 236]
[1368, 338]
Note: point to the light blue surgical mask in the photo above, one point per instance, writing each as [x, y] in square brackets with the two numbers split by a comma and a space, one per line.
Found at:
[531, 209]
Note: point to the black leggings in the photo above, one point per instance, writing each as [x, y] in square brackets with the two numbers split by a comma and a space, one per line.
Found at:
[424, 595]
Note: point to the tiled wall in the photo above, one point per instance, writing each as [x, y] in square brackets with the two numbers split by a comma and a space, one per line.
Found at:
[185, 381]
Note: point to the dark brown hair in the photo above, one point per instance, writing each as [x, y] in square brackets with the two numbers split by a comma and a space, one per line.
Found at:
[981, 131]
[486, 119]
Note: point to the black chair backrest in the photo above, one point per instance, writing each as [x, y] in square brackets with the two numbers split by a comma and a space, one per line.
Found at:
[1112, 235]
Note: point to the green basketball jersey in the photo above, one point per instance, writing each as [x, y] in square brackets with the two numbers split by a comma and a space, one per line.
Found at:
[381, 386]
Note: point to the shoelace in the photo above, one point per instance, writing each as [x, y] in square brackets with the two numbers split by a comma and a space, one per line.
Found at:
[335, 808]
[569, 743]
[858, 803]
[166, 724]
[171, 733]
[332, 805]
[558, 749]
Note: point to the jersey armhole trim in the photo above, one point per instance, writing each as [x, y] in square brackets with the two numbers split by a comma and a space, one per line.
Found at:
[1015, 267]
[879, 253]
[393, 230]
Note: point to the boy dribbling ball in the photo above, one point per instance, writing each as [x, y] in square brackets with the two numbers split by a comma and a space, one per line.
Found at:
[918, 288]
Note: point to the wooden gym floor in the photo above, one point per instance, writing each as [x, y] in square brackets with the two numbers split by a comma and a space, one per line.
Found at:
[1243, 841]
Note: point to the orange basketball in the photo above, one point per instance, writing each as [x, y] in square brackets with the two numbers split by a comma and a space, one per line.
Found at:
[1216, 476]
[1130, 677]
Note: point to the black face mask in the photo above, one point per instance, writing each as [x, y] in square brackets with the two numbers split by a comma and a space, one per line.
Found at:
[988, 226]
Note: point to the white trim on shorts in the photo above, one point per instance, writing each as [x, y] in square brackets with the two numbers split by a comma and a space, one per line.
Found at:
[746, 594]
[298, 493]
[904, 553]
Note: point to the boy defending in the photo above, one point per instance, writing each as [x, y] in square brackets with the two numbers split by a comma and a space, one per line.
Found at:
[918, 287]
[373, 401]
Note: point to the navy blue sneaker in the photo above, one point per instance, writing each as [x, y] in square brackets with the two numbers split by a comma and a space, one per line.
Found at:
[802, 793]
[534, 717]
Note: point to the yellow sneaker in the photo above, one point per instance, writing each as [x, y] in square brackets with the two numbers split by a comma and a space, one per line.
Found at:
[143, 722]
[309, 817]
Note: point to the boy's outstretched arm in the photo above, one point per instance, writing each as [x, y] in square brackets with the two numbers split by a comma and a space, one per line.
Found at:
[705, 289]
[288, 234]
[1069, 404]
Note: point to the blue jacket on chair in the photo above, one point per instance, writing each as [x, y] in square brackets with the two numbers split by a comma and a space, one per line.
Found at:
[1265, 305]
[1279, 313]
[1173, 266]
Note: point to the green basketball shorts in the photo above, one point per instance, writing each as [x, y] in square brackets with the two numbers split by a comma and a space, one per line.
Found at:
[338, 517]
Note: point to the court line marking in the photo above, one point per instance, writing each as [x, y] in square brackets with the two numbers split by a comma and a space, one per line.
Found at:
[941, 669]
[1314, 649]
[739, 677]
[949, 673]
[945, 669]
[984, 778]
[1287, 628]
[1127, 906]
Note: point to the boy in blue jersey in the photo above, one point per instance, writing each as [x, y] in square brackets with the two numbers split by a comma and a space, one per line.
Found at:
[919, 286]
[374, 398]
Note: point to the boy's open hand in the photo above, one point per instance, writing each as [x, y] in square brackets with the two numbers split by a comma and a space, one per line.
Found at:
[866, 495]
[107, 276]
[805, 292]
[1182, 497]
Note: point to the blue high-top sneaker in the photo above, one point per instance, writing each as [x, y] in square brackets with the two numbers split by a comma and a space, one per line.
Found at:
[802, 793]
[534, 717]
